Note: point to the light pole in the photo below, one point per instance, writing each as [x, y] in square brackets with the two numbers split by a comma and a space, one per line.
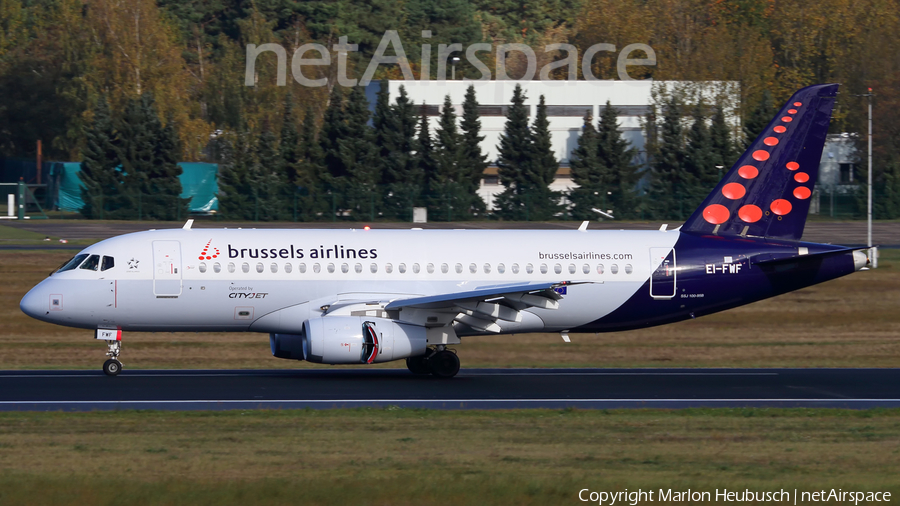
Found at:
[453, 68]
[872, 253]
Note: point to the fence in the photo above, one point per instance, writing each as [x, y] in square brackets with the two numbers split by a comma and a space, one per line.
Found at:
[301, 205]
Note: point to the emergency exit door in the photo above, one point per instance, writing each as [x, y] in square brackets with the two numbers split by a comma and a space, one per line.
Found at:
[663, 277]
[167, 268]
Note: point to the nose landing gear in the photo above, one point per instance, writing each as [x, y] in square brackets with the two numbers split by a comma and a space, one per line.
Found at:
[113, 338]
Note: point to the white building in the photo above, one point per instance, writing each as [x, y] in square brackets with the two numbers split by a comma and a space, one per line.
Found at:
[567, 102]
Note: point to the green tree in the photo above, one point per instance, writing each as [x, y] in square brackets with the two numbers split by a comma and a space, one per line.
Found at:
[270, 185]
[395, 136]
[426, 161]
[619, 173]
[759, 118]
[310, 200]
[236, 183]
[587, 174]
[723, 147]
[334, 173]
[514, 162]
[699, 161]
[99, 166]
[358, 156]
[543, 167]
[447, 196]
[668, 180]
[472, 161]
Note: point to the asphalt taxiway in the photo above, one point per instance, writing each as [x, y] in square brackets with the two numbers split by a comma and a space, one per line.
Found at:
[471, 389]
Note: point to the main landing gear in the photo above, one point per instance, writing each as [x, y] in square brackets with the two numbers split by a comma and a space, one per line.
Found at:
[440, 362]
[113, 367]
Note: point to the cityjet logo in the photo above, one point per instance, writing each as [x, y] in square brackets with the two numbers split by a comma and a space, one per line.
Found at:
[338, 251]
[208, 254]
[391, 40]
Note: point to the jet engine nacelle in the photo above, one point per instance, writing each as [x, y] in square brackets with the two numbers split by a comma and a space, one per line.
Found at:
[350, 340]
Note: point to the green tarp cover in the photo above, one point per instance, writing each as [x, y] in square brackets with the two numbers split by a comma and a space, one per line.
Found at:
[198, 182]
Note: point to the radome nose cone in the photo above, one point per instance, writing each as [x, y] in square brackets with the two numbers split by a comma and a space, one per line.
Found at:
[32, 304]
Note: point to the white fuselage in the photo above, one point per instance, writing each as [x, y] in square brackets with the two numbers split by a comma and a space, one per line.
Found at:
[273, 280]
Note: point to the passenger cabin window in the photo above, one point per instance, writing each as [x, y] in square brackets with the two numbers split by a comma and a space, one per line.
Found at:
[501, 268]
[599, 268]
[628, 269]
[416, 268]
[217, 267]
[515, 268]
[259, 267]
[529, 268]
[231, 267]
[445, 268]
[373, 267]
[302, 268]
[401, 268]
[357, 268]
[202, 267]
[473, 268]
[245, 267]
[543, 268]
[107, 263]
[388, 268]
[288, 268]
[557, 269]
[273, 267]
[92, 263]
[459, 268]
[614, 268]
[586, 269]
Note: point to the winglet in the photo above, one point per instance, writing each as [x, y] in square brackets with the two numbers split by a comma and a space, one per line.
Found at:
[188, 224]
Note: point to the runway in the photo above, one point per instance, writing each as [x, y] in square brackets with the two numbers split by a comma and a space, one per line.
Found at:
[471, 389]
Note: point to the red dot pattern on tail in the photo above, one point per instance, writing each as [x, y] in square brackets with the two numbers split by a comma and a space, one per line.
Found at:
[748, 172]
[734, 191]
[781, 207]
[750, 213]
[716, 214]
[802, 192]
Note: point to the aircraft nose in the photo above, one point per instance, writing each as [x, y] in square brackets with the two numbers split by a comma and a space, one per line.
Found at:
[33, 303]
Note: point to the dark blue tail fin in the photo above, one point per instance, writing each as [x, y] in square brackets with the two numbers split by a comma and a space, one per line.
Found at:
[767, 192]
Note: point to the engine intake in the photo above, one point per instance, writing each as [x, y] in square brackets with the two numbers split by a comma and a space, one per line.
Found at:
[350, 340]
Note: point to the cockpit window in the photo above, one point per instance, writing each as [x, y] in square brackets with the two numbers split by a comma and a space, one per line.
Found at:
[91, 263]
[107, 263]
[73, 263]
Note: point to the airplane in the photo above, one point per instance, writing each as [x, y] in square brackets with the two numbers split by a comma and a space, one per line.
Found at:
[364, 296]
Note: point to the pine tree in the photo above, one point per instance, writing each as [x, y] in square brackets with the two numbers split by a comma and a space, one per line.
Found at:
[668, 179]
[543, 167]
[164, 179]
[395, 136]
[289, 144]
[760, 117]
[472, 161]
[237, 187]
[99, 167]
[723, 147]
[699, 161]
[619, 175]
[447, 196]
[426, 162]
[514, 158]
[311, 202]
[586, 173]
[334, 173]
[358, 156]
[268, 176]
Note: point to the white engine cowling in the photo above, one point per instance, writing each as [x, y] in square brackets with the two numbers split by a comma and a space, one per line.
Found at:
[350, 340]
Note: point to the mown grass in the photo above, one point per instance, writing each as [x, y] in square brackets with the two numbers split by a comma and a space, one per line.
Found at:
[405, 456]
[849, 322]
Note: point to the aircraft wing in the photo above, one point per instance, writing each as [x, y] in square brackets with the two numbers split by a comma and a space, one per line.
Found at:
[482, 307]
